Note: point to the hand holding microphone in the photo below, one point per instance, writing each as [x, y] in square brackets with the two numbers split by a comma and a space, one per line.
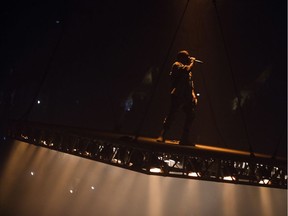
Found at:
[196, 60]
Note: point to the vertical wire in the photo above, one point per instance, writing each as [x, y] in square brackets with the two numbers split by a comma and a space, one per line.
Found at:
[138, 130]
[233, 79]
[218, 131]
[212, 110]
[25, 116]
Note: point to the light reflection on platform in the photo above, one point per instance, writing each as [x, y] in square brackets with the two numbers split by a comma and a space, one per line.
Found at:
[204, 147]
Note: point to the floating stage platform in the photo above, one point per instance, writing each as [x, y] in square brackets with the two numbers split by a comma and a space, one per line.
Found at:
[148, 156]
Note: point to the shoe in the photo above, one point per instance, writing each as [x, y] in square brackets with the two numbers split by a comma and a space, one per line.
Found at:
[160, 139]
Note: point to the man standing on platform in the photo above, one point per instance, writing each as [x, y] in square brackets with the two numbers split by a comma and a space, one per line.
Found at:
[182, 95]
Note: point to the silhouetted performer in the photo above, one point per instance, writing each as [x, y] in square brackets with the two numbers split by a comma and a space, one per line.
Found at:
[182, 95]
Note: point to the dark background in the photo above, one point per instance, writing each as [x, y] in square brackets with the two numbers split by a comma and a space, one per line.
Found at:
[105, 65]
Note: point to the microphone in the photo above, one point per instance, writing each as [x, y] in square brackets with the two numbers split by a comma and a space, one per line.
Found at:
[196, 60]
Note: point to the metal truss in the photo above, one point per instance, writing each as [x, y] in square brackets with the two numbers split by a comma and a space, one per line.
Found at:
[152, 158]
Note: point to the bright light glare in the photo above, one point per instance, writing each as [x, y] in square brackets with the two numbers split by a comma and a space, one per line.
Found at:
[38, 102]
[170, 162]
[194, 174]
[32, 173]
[43, 142]
[71, 191]
[244, 164]
[155, 170]
[198, 94]
[23, 136]
[114, 160]
[229, 178]
[264, 181]
[92, 187]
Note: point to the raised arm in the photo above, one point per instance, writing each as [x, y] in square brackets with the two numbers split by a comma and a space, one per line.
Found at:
[189, 67]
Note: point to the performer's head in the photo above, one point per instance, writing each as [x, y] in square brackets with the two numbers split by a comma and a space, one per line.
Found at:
[183, 57]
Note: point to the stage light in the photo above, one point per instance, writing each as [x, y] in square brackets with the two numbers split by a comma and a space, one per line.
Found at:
[55, 141]
[280, 177]
[136, 159]
[68, 143]
[194, 174]
[193, 167]
[155, 170]
[43, 142]
[44, 138]
[156, 164]
[264, 174]
[228, 171]
[106, 152]
[38, 102]
[24, 137]
[170, 162]
[93, 148]
[229, 178]
[121, 156]
[80, 145]
[264, 181]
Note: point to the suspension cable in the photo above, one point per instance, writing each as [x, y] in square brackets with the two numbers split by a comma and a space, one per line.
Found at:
[212, 110]
[25, 115]
[218, 131]
[233, 79]
[138, 130]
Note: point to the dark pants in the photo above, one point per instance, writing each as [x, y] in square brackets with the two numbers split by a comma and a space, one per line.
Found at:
[188, 106]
